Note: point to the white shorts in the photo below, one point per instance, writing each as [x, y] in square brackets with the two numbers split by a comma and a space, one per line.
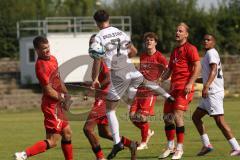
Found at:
[123, 80]
[213, 104]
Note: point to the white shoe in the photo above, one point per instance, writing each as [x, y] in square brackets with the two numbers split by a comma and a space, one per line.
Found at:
[142, 146]
[20, 156]
[178, 154]
[150, 134]
[167, 152]
[235, 153]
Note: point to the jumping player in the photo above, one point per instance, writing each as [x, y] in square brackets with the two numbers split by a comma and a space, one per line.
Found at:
[54, 100]
[97, 116]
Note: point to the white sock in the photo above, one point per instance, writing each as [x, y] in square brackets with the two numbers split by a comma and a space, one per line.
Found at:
[170, 144]
[234, 144]
[205, 140]
[114, 126]
[179, 146]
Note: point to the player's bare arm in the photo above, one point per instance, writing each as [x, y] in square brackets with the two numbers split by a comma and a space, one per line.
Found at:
[132, 50]
[52, 93]
[211, 77]
[194, 76]
[95, 72]
[166, 74]
[64, 88]
[106, 80]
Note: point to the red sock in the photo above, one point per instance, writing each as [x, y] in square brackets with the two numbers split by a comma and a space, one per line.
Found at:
[98, 152]
[67, 150]
[37, 148]
[180, 134]
[144, 127]
[170, 132]
[126, 142]
[144, 131]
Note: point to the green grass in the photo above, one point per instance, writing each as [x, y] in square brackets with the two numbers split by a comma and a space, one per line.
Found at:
[20, 129]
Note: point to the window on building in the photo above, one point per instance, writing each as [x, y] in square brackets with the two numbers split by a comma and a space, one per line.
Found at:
[31, 55]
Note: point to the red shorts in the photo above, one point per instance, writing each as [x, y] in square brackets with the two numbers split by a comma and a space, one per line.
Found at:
[54, 118]
[144, 105]
[181, 101]
[98, 112]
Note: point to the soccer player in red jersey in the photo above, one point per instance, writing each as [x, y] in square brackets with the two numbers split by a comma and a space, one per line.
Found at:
[152, 64]
[54, 100]
[97, 116]
[184, 67]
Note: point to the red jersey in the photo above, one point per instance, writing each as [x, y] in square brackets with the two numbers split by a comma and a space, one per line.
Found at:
[151, 66]
[47, 73]
[181, 64]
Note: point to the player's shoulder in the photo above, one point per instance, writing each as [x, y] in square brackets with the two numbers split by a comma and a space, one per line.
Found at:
[159, 54]
[212, 52]
[190, 46]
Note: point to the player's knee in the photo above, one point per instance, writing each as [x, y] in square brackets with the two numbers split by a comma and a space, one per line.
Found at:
[219, 121]
[52, 143]
[87, 130]
[67, 134]
[104, 134]
[195, 119]
[138, 117]
[168, 118]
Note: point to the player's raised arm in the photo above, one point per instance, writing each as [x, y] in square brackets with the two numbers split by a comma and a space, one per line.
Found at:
[132, 50]
[95, 72]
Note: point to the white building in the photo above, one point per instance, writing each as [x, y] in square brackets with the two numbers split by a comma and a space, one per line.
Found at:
[68, 38]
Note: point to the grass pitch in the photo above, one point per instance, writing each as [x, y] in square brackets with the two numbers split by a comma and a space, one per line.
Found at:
[20, 129]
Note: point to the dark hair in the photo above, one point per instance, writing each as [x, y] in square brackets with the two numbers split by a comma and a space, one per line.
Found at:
[150, 35]
[101, 16]
[39, 40]
[212, 35]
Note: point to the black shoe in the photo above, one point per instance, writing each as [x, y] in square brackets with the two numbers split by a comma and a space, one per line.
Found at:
[170, 99]
[116, 148]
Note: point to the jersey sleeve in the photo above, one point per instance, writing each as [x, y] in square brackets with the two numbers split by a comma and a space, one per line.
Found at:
[212, 57]
[193, 55]
[42, 74]
[162, 60]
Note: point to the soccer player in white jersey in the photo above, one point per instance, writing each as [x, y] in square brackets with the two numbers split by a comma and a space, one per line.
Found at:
[212, 98]
[124, 76]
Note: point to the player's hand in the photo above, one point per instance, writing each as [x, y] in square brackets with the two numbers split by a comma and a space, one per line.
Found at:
[67, 102]
[95, 85]
[188, 88]
[205, 91]
[160, 81]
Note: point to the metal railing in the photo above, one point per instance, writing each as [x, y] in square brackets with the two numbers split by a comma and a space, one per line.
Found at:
[71, 25]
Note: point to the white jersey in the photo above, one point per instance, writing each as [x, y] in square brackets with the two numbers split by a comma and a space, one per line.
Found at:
[115, 42]
[210, 57]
